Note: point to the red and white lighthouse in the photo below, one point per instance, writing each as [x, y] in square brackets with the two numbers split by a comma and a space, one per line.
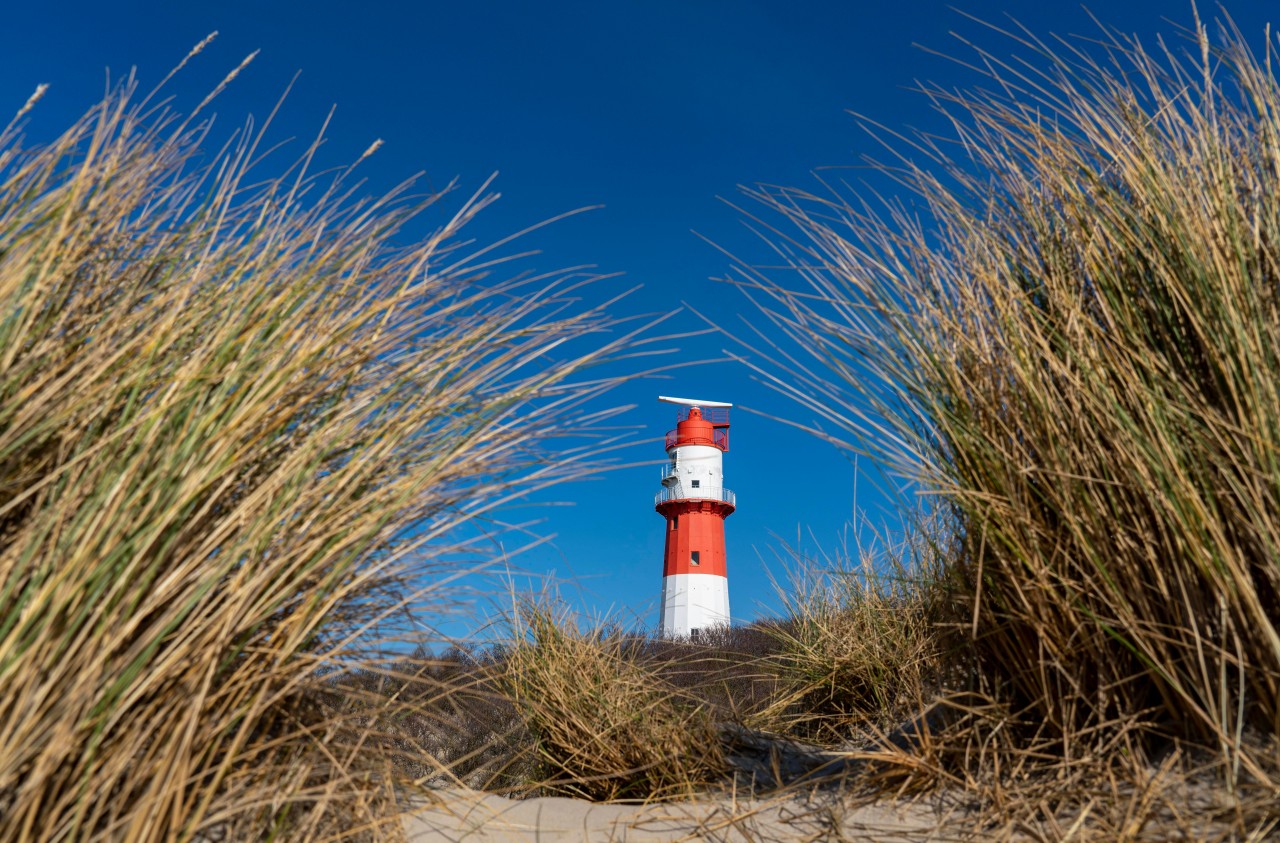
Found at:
[693, 499]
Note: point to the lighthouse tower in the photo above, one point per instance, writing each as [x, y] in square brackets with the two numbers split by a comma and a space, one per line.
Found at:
[694, 501]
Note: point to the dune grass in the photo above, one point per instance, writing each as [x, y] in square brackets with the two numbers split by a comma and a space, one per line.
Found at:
[603, 724]
[1069, 339]
[858, 643]
[559, 708]
[239, 408]
[562, 706]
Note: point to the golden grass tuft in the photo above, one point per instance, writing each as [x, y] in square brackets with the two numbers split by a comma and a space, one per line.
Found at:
[1070, 340]
[235, 405]
[604, 724]
[858, 650]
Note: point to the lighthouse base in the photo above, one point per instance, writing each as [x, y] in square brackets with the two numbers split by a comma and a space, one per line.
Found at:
[693, 602]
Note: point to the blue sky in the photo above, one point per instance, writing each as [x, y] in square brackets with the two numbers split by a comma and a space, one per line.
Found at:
[656, 111]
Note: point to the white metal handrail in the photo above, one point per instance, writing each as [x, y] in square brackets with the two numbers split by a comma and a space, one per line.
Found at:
[676, 493]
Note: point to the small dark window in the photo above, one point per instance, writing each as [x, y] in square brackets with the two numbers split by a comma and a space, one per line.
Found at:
[696, 557]
[696, 483]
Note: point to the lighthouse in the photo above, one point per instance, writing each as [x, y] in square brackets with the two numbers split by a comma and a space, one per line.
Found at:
[694, 502]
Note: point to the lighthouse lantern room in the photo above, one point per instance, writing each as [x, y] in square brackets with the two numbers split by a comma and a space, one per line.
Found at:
[695, 503]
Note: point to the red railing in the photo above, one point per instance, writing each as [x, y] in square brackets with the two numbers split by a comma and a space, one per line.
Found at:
[718, 416]
[721, 436]
[719, 439]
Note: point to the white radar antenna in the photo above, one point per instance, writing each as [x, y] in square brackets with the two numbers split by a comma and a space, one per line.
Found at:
[692, 402]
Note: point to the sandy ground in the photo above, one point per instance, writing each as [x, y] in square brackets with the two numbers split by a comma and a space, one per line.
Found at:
[485, 818]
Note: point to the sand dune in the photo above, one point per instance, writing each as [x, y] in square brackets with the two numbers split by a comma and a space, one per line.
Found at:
[484, 818]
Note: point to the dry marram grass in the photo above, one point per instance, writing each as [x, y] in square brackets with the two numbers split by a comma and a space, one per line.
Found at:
[233, 404]
[1070, 339]
[604, 724]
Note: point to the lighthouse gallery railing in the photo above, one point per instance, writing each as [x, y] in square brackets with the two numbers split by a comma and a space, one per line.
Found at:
[675, 493]
[719, 439]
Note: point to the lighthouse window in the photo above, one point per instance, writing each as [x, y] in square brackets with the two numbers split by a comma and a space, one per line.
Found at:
[696, 557]
[696, 483]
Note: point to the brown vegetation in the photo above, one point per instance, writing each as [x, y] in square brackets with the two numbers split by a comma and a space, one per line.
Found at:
[603, 714]
[1070, 341]
[233, 404]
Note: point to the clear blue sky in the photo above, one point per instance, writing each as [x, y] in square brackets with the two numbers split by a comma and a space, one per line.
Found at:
[653, 110]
